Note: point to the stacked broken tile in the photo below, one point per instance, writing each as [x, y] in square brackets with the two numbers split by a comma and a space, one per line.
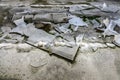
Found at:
[66, 29]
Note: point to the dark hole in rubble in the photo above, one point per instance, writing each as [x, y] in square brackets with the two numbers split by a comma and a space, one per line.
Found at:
[45, 27]
[117, 28]
[4, 16]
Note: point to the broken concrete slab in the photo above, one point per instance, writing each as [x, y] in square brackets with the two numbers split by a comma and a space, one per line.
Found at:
[109, 8]
[52, 17]
[34, 34]
[43, 17]
[96, 10]
[60, 17]
[77, 22]
[65, 52]
[59, 48]
[20, 22]
[110, 29]
[48, 10]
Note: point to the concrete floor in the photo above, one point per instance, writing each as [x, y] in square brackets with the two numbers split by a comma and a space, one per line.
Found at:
[38, 65]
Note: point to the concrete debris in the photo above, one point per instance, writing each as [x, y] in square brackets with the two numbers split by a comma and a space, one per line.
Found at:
[52, 17]
[90, 47]
[106, 21]
[65, 28]
[60, 17]
[20, 22]
[68, 37]
[104, 6]
[117, 40]
[111, 45]
[109, 8]
[41, 25]
[95, 23]
[43, 17]
[77, 22]
[76, 8]
[58, 48]
[66, 52]
[46, 26]
[117, 22]
[29, 18]
[62, 43]
[110, 29]
[41, 44]
[79, 38]
[34, 34]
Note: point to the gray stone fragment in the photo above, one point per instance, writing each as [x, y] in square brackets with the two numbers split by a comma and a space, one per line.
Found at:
[60, 17]
[66, 52]
[77, 22]
[64, 28]
[20, 22]
[34, 34]
[29, 18]
[43, 17]
[39, 25]
[52, 17]
[110, 29]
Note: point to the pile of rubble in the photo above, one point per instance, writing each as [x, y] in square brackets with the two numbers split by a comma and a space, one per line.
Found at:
[63, 29]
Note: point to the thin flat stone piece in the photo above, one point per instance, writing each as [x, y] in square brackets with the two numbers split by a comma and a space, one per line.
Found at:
[66, 52]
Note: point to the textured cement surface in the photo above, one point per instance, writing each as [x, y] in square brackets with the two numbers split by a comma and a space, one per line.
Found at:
[38, 65]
